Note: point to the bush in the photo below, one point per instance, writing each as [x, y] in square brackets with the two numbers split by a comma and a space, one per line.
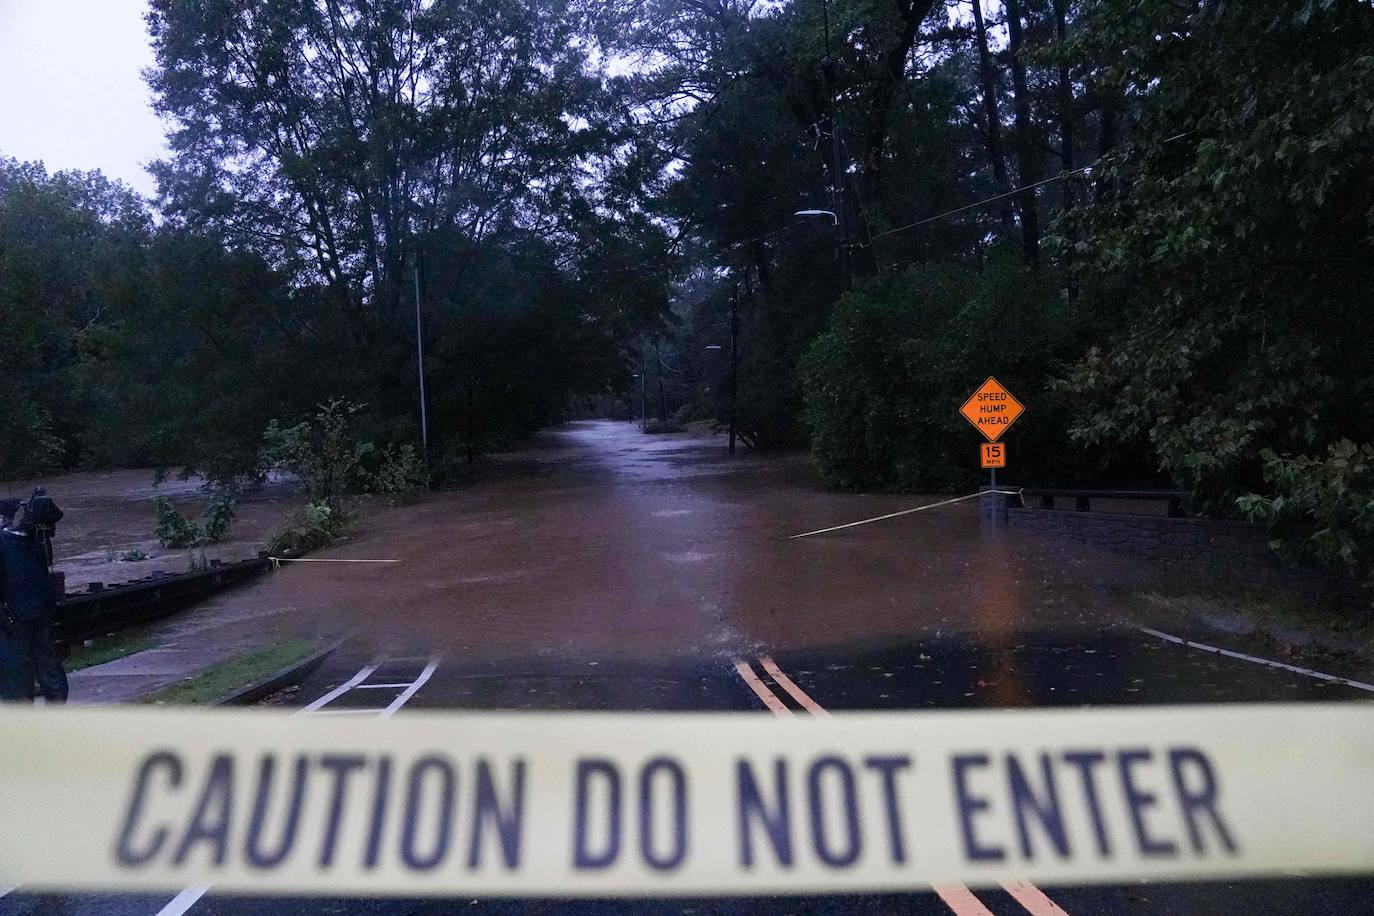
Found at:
[318, 525]
[1334, 494]
[321, 451]
[176, 531]
[393, 471]
[330, 460]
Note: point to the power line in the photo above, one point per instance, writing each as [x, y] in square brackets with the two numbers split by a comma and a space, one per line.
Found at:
[873, 237]
[1005, 194]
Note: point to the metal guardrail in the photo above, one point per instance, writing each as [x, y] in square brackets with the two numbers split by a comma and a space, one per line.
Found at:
[101, 608]
[1083, 498]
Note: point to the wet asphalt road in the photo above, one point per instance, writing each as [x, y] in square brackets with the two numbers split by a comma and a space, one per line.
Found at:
[1003, 653]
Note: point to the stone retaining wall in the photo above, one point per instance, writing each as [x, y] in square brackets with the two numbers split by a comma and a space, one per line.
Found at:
[1231, 548]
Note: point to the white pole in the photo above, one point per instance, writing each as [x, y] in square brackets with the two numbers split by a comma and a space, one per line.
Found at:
[420, 360]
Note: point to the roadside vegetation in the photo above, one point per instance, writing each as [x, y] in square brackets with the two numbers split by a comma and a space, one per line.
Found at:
[219, 681]
[1153, 221]
[108, 648]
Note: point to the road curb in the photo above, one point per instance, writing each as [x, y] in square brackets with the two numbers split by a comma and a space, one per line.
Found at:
[286, 677]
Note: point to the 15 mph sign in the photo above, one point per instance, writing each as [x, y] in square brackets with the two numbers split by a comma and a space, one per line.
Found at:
[992, 409]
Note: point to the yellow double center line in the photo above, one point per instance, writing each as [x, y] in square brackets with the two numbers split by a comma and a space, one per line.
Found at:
[957, 897]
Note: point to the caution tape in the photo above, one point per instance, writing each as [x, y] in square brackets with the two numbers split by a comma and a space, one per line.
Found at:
[680, 804]
[278, 561]
[883, 518]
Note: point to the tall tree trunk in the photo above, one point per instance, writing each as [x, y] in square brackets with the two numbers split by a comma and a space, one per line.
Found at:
[1066, 151]
[988, 74]
[1027, 155]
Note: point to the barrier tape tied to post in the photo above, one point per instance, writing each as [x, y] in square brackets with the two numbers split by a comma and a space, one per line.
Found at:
[278, 561]
[883, 518]
[680, 804]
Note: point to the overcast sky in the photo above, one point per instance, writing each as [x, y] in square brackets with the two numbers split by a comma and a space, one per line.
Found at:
[70, 90]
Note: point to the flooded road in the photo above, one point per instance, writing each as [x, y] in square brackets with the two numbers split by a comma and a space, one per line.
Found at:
[598, 539]
[603, 569]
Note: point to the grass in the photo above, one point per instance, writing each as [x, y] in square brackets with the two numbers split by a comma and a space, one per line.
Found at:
[223, 679]
[107, 649]
[1278, 609]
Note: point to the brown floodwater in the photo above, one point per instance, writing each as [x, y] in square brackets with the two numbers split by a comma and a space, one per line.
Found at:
[598, 539]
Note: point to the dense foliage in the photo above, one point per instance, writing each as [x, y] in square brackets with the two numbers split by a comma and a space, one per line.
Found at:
[1233, 254]
[903, 347]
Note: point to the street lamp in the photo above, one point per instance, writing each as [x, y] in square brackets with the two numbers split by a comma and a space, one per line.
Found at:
[734, 366]
[642, 409]
[420, 359]
[834, 217]
[734, 363]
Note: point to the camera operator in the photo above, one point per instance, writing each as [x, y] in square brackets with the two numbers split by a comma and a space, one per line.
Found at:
[27, 603]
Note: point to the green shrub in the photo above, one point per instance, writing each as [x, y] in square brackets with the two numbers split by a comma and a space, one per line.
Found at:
[330, 461]
[397, 470]
[176, 531]
[317, 525]
[1333, 494]
[321, 451]
[173, 530]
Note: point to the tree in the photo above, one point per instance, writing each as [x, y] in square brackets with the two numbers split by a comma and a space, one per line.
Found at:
[1231, 265]
[70, 260]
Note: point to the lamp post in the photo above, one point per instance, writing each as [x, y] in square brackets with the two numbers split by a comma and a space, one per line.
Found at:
[834, 218]
[842, 249]
[642, 408]
[420, 359]
[734, 365]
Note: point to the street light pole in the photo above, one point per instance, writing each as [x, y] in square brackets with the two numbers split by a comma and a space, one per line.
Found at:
[836, 182]
[643, 403]
[734, 364]
[420, 361]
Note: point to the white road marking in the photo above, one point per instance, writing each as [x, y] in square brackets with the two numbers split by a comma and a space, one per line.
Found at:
[410, 691]
[381, 686]
[183, 901]
[1267, 662]
[189, 897]
[340, 690]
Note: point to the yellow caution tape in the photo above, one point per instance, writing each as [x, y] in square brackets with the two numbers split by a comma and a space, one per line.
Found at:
[676, 804]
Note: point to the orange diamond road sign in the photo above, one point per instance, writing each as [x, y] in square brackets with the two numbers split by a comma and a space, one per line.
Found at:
[992, 409]
[994, 454]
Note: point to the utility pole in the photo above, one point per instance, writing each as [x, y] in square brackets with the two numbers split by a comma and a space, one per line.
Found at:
[420, 361]
[734, 363]
[836, 182]
[643, 399]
